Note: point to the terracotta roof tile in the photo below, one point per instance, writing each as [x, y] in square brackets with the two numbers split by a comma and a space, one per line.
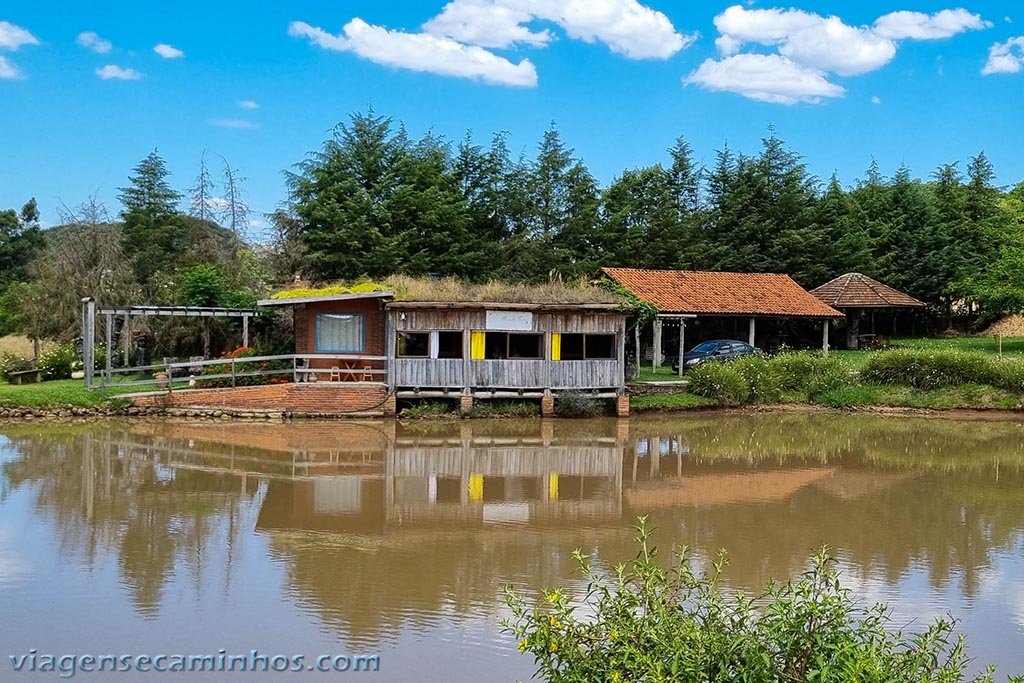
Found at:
[714, 293]
[854, 290]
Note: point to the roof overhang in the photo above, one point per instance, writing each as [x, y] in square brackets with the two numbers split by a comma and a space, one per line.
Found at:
[296, 300]
[498, 306]
[178, 311]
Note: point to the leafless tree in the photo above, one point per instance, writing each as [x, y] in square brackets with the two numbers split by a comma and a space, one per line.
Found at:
[235, 214]
[201, 197]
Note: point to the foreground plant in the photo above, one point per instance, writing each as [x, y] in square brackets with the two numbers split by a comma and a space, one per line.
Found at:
[649, 623]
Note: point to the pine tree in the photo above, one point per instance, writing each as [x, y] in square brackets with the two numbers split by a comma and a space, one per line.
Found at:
[153, 231]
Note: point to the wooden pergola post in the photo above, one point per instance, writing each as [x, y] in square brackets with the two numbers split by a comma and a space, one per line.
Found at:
[824, 336]
[656, 355]
[751, 330]
[89, 340]
[682, 346]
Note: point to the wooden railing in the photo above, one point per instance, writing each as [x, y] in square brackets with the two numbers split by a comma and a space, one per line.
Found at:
[346, 367]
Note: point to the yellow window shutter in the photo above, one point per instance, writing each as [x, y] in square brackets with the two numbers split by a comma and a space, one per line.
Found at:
[556, 346]
[477, 342]
[476, 487]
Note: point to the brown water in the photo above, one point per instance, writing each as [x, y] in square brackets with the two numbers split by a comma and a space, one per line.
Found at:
[390, 539]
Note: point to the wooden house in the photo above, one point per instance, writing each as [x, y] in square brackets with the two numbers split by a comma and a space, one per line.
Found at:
[465, 350]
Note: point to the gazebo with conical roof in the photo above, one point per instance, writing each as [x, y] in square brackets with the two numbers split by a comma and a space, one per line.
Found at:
[854, 293]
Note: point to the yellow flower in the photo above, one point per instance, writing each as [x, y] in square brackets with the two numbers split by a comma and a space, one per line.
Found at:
[616, 677]
[553, 647]
[552, 620]
[522, 645]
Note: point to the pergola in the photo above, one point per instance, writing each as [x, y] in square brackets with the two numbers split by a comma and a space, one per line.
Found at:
[681, 295]
[854, 293]
[126, 313]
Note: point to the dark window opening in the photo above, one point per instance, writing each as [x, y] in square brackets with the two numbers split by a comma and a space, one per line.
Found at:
[413, 344]
[449, 344]
[572, 347]
[502, 345]
[601, 347]
[588, 347]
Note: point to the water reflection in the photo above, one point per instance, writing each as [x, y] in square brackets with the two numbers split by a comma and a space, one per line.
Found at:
[384, 529]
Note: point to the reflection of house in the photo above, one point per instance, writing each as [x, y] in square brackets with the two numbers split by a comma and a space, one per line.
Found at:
[456, 485]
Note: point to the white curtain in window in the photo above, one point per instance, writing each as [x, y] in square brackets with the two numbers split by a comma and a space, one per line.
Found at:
[339, 333]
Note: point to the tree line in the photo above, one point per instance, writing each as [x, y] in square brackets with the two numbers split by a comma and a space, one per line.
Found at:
[374, 201]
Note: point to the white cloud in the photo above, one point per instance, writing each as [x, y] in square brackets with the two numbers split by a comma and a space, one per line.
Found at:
[626, 26]
[1005, 58]
[240, 124]
[876, 100]
[824, 43]
[920, 26]
[7, 70]
[117, 73]
[420, 52]
[487, 23]
[13, 37]
[810, 46]
[91, 40]
[767, 78]
[168, 51]
[457, 42]
[249, 104]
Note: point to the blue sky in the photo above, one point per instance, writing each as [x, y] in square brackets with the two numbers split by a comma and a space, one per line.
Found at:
[89, 88]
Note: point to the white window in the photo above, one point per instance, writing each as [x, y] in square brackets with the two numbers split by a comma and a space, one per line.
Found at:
[340, 333]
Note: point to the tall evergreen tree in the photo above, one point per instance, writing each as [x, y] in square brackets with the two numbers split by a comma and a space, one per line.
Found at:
[153, 231]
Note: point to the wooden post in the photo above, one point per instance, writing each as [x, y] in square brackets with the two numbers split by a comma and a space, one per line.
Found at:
[245, 330]
[110, 351]
[639, 355]
[126, 339]
[89, 340]
[467, 359]
[750, 331]
[682, 345]
[620, 355]
[824, 336]
[389, 349]
[656, 353]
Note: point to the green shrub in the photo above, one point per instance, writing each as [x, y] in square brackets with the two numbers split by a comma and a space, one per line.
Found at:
[10, 362]
[243, 367]
[719, 381]
[812, 373]
[925, 369]
[428, 409]
[763, 378]
[59, 362]
[505, 409]
[578, 405]
[644, 622]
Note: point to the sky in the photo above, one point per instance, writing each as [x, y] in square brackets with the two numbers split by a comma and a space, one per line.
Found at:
[88, 88]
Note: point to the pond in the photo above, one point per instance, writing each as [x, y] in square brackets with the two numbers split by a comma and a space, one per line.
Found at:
[394, 540]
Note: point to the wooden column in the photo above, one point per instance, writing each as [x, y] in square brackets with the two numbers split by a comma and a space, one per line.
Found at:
[824, 336]
[89, 340]
[126, 339]
[751, 332]
[245, 330]
[656, 354]
[110, 343]
[620, 355]
[682, 345]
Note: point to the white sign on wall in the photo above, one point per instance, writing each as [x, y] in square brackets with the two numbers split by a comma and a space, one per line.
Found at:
[514, 321]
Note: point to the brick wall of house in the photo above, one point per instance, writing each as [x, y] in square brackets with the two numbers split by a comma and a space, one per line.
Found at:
[336, 398]
[374, 326]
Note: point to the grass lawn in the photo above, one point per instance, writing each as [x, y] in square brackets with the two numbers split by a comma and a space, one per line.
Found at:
[61, 392]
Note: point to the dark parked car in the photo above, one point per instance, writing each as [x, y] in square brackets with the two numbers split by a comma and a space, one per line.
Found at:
[718, 349]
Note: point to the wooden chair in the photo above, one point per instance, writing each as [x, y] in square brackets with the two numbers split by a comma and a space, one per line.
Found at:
[367, 374]
[335, 374]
